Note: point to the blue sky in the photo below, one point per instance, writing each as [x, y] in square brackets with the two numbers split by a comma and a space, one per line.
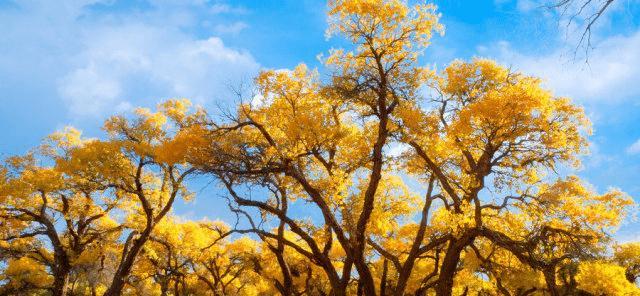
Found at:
[74, 62]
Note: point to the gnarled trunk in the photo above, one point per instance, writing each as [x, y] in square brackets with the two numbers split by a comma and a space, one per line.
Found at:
[450, 263]
[60, 281]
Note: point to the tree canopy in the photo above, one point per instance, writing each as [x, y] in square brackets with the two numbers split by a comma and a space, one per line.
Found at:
[412, 181]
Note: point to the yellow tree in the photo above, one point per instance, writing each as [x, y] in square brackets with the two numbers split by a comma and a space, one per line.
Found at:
[142, 162]
[481, 139]
[404, 244]
[197, 258]
[230, 267]
[503, 272]
[43, 206]
[139, 169]
[304, 277]
[24, 276]
[312, 169]
[487, 138]
[603, 278]
[627, 255]
[304, 140]
[93, 271]
[164, 261]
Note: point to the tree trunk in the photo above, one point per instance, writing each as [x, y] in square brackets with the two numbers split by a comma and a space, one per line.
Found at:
[448, 270]
[383, 280]
[550, 279]
[123, 271]
[286, 288]
[176, 288]
[164, 288]
[630, 275]
[407, 267]
[360, 290]
[366, 279]
[62, 264]
[61, 281]
[450, 264]
[339, 290]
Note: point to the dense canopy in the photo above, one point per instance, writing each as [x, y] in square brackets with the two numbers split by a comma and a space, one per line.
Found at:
[413, 181]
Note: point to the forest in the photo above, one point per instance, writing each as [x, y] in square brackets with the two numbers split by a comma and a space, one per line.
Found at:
[413, 181]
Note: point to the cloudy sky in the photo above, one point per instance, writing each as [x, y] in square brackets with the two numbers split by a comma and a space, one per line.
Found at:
[74, 62]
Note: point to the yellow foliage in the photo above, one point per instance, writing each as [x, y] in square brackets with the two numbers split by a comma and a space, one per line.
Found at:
[483, 141]
[26, 271]
[601, 278]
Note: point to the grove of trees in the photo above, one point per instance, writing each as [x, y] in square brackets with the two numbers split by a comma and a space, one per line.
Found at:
[382, 177]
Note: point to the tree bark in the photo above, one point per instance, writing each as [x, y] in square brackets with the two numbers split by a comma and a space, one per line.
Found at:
[448, 270]
[118, 282]
[366, 279]
[383, 281]
[450, 264]
[62, 266]
[407, 267]
[550, 279]
[61, 281]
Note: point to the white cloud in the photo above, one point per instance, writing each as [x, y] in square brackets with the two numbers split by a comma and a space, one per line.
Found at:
[397, 149]
[611, 74]
[144, 63]
[527, 5]
[226, 8]
[88, 92]
[634, 148]
[233, 28]
[98, 62]
[596, 157]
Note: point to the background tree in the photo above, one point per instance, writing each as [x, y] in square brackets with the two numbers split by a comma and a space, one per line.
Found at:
[488, 124]
[140, 169]
[197, 258]
[44, 206]
[627, 255]
[602, 278]
[143, 161]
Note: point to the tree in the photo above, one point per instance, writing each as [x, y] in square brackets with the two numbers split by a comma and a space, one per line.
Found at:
[139, 170]
[302, 142]
[189, 258]
[143, 161]
[386, 178]
[585, 12]
[481, 142]
[38, 200]
[628, 256]
[495, 125]
[24, 275]
[601, 278]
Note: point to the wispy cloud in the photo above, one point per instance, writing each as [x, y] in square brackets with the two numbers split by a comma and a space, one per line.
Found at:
[226, 8]
[233, 28]
[97, 61]
[610, 76]
[143, 64]
[527, 5]
[634, 148]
